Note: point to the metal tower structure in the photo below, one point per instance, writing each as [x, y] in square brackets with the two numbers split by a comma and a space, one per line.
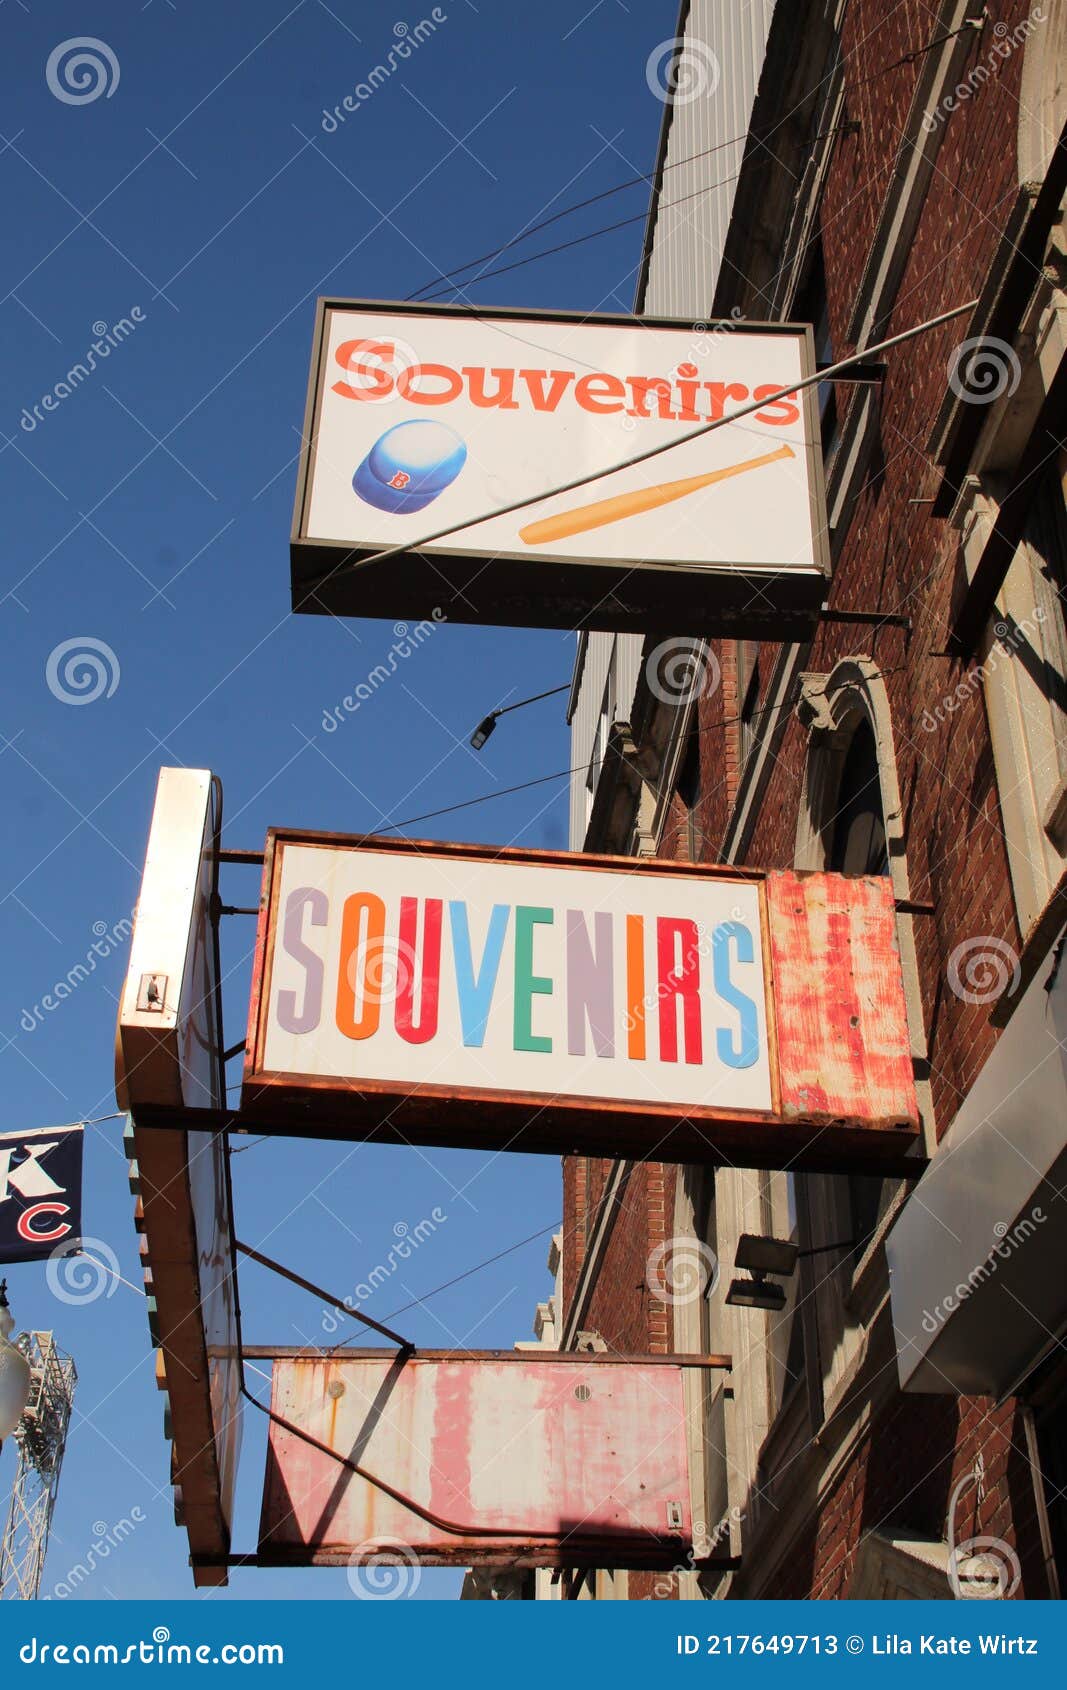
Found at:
[41, 1437]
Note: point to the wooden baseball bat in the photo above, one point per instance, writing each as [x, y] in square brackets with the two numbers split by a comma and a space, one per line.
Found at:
[578, 521]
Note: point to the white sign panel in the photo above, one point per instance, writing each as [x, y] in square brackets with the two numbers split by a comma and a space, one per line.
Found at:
[424, 419]
[507, 976]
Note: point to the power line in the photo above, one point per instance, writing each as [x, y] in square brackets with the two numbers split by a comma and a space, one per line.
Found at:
[418, 1301]
[578, 240]
[568, 210]
[648, 178]
[583, 768]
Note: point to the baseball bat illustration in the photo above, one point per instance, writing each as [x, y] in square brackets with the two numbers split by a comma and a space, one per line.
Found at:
[584, 517]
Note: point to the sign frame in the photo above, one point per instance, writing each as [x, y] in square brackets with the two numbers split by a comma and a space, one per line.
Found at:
[168, 1056]
[304, 1487]
[805, 1130]
[632, 595]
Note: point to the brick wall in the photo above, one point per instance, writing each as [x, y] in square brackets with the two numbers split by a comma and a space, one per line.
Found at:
[898, 557]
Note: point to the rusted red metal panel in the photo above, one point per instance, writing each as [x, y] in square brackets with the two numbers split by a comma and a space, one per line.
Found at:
[527, 1460]
[842, 1031]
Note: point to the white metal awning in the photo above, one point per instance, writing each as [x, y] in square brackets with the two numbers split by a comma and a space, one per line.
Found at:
[976, 1258]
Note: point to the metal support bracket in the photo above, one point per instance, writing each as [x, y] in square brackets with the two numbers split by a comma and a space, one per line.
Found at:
[404, 1345]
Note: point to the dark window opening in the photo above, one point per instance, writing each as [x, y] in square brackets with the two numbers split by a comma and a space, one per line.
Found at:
[858, 846]
[748, 685]
[811, 306]
[688, 788]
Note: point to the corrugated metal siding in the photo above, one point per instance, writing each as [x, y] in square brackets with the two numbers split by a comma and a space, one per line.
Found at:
[682, 276]
[690, 232]
[601, 651]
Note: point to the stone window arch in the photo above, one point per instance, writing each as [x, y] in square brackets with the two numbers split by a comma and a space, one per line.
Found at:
[838, 709]
[851, 820]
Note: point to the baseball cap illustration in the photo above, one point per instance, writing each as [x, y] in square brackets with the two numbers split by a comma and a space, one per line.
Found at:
[409, 466]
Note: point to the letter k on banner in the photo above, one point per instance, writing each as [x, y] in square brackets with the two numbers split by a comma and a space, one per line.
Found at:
[40, 1192]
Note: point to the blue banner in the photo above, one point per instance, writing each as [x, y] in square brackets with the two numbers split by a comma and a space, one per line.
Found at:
[539, 1643]
[40, 1193]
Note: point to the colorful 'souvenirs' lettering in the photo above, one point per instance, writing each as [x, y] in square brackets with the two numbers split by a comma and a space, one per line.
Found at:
[430, 973]
[527, 983]
[746, 1051]
[582, 957]
[590, 984]
[475, 990]
[679, 983]
[359, 975]
[306, 1019]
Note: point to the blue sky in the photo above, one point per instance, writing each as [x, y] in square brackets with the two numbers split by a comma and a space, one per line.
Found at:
[149, 511]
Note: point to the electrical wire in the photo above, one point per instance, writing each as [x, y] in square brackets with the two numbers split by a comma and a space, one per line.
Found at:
[583, 768]
[646, 178]
[446, 277]
[417, 1302]
[577, 240]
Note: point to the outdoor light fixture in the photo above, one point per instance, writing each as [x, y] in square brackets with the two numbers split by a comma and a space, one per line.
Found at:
[755, 1293]
[488, 723]
[14, 1372]
[759, 1257]
[483, 730]
[766, 1255]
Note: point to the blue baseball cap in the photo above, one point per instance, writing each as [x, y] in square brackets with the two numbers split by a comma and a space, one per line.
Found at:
[409, 466]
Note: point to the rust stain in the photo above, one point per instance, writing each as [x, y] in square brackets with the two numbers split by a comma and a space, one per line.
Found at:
[843, 1044]
[503, 1447]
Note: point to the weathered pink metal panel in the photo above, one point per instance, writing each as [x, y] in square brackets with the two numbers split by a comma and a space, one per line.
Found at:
[843, 1047]
[547, 1458]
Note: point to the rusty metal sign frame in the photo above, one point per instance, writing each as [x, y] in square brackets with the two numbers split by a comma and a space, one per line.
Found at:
[545, 1550]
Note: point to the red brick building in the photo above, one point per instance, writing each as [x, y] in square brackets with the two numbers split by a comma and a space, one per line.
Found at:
[884, 1434]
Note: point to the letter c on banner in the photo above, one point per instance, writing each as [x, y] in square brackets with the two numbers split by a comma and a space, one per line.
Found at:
[41, 1235]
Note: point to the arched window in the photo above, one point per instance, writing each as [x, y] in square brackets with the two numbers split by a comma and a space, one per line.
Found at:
[857, 839]
[851, 822]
